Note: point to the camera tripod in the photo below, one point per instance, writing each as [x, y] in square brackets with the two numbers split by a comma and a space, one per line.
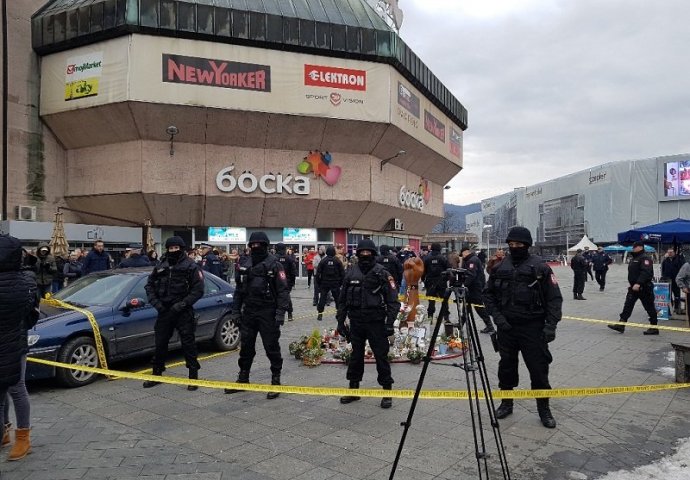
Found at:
[474, 366]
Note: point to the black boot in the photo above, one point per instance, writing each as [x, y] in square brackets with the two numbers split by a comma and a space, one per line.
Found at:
[545, 413]
[575, 296]
[152, 383]
[242, 377]
[350, 398]
[194, 375]
[505, 408]
[290, 316]
[651, 331]
[275, 380]
[319, 317]
[618, 328]
[387, 402]
[580, 297]
[489, 329]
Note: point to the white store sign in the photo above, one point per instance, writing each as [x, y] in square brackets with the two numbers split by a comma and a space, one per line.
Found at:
[268, 183]
[410, 199]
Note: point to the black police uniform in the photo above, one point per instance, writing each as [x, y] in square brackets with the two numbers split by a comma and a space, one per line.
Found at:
[579, 264]
[391, 263]
[370, 301]
[290, 268]
[329, 278]
[172, 288]
[524, 299]
[212, 264]
[261, 300]
[669, 271]
[434, 265]
[600, 264]
[474, 283]
[640, 272]
[135, 260]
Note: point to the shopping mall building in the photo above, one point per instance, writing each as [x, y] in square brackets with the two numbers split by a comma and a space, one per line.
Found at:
[215, 118]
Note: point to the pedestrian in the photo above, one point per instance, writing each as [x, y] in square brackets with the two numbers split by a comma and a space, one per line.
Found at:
[434, 282]
[600, 263]
[474, 283]
[97, 259]
[454, 259]
[233, 258]
[59, 277]
[587, 255]
[135, 258]
[46, 269]
[370, 300]
[340, 255]
[210, 261]
[391, 263]
[309, 264]
[579, 265]
[290, 269]
[18, 313]
[172, 289]
[640, 287]
[261, 299]
[482, 256]
[72, 269]
[329, 278]
[495, 259]
[683, 281]
[669, 271]
[153, 258]
[524, 299]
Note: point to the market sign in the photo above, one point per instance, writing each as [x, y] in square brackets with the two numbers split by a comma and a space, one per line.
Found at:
[269, 183]
[82, 75]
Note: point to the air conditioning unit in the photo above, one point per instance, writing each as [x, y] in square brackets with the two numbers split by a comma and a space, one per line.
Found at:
[26, 213]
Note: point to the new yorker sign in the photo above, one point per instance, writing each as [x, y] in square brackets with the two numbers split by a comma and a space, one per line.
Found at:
[216, 73]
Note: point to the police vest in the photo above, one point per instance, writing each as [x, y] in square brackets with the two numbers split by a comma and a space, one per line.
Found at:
[519, 289]
[257, 283]
[436, 267]
[329, 271]
[365, 292]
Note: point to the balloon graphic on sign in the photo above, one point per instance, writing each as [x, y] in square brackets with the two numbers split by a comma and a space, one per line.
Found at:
[320, 164]
[424, 190]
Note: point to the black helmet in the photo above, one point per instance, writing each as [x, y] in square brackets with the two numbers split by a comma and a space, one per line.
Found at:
[384, 249]
[366, 244]
[280, 247]
[435, 247]
[520, 234]
[259, 237]
[330, 251]
[175, 241]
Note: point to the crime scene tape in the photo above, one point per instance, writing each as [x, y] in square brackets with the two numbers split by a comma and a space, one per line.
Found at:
[590, 320]
[374, 393]
[54, 302]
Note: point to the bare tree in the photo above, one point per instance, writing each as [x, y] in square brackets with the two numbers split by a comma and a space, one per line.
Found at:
[449, 224]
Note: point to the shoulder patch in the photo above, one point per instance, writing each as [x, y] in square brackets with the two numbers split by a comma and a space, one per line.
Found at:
[391, 282]
[281, 275]
[647, 262]
[201, 274]
[471, 266]
[554, 281]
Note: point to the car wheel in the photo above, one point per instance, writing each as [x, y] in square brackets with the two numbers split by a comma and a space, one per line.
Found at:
[78, 351]
[227, 335]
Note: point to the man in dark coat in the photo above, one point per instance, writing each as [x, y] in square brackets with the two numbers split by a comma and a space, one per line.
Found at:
[669, 271]
[328, 278]
[434, 266]
[391, 263]
[45, 269]
[474, 283]
[580, 266]
[135, 258]
[600, 263]
[290, 266]
[173, 288]
[97, 259]
[210, 262]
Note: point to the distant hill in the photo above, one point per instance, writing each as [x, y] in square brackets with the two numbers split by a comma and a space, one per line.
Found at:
[455, 217]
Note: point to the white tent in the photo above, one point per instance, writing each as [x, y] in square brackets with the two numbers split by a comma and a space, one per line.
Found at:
[585, 242]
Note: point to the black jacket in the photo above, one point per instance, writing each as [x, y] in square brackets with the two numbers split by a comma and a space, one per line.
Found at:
[474, 278]
[601, 261]
[262, 286]
[212, 264]
[289, 266]
[434, 265]
[641, 270]
[181, 282]
[671, 266]
[135, 261]
[391, 263]
[368, 298]
[330, 272]
[579, 264]
[96, 262]
[18, 309]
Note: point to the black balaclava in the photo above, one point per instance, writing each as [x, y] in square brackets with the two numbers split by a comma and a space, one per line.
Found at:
[519, 254]
[259, 253]
[366, 262]
[174, 257]
[637, 254]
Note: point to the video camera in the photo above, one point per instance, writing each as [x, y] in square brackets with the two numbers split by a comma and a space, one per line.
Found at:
[454, 276]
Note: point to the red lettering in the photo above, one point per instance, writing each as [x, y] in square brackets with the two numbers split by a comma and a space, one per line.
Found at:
[191, 74]
[233, 80]
[261, 80]
[206, 77]
[242, 80]
[250, 80]
[175, 70]
[218, 70]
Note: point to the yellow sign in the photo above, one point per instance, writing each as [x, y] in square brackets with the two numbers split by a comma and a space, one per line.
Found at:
[87, 87]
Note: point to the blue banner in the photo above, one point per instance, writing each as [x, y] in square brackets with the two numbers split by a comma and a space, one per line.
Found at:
[662, 300]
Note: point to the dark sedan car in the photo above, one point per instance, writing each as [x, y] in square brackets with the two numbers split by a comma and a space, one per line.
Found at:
[118, 301]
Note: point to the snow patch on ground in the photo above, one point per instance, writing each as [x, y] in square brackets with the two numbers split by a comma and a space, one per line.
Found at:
[675, 467]
[668, 371]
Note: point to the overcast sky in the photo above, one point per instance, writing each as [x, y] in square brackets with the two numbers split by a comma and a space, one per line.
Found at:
[556, 86]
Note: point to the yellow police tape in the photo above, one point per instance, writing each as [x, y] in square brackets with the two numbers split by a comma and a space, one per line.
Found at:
[590, 320]
[375, 393]
[92, 320]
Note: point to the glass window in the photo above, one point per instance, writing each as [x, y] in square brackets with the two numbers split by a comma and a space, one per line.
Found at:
[59, 21]
[139, 290]
[186, 18]
[36, 31]
[257, 26]
[368, 41]
[168, 14]
[47, 30]
[96, 17]
[291, 31]
[95, 289]
[109, 10]
[324, 235]
[354, 41]
[323, 35]
[204, 19]
[274, 28]
[149, 13]
[222, 21]
[307, 33]
[210, 287]
[338, 37]
[131, 11]
[240, 24]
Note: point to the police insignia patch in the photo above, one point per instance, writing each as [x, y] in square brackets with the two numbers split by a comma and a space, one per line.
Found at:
[281, 274]
[553, 279]
[471, 266]
[391, 282]
[646, 262]
[201, 275]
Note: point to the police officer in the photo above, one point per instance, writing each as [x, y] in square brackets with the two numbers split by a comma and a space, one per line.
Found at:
[523, 297]
[391, 263]
[328, 278]
[210, 261]
[580, 265]
[600, 264]
[261, 299]
[173, 287]
[640, 275]
[135, 258]
[474, 283]
[290, 268]
[434, 266]
[370, 300]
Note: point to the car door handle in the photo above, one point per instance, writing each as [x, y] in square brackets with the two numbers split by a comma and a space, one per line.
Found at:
[220, 300]
[111, 329]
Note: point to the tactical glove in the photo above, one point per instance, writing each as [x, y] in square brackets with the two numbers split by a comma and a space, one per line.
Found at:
[280, 319]
[236, 317]
[549, 333]
[344, 330]
[178, 307]
[502, 324]
[158, 306]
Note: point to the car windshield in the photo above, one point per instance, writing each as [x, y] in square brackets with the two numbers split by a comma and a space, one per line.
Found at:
[95, 289]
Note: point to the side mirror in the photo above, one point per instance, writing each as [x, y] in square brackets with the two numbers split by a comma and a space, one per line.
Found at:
[134, 303]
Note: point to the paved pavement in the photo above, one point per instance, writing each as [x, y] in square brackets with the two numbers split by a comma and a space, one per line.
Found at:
[116, 429]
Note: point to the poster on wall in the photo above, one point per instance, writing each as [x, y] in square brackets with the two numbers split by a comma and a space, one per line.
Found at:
[676, 181]
[82, 74]
[227, 234]
[662, 300]
[297, 235]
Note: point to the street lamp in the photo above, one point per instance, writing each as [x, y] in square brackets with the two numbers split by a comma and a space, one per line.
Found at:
[488, 239]
[447, 187]
[399, 154]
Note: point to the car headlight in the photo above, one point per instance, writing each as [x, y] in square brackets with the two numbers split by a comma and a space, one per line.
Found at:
[33, 339]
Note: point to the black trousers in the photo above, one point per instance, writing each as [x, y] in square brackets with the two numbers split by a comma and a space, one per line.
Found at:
[289, 308]
[324, 291]
[600, 276]
[434, 289]
[166, 324]
[476, 302]
[579, 282]
[376, 334]
[261, 322]
[310, 274]
[644, 295]
[528, 339]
